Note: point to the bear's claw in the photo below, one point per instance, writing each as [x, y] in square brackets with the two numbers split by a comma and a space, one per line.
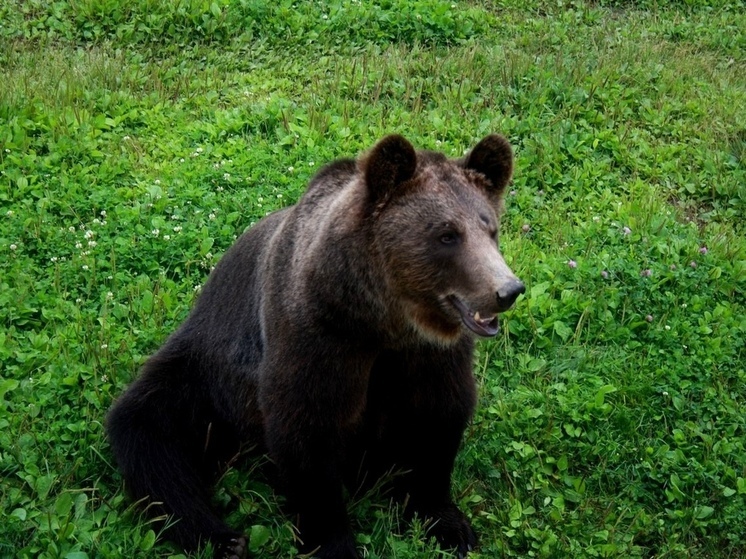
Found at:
[234, 547]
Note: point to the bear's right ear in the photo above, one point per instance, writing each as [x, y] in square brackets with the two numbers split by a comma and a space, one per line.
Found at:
[391, 162]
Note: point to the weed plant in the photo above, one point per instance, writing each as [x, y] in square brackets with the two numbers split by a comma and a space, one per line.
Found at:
[139, 138]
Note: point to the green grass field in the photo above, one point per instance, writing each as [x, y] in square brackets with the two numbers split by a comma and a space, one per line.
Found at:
[139, 138]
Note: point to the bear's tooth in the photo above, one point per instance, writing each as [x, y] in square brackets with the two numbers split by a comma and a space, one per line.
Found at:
[476, 316]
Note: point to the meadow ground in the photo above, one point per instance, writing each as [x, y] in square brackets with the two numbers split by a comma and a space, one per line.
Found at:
[138, 138]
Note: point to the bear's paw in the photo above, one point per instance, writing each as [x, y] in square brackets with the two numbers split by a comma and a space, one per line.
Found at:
[341, 548]
[450, 527]
[230, 547]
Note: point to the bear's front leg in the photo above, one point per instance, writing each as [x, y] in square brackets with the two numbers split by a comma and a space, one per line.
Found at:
[310, 412]
[428, 485]
[420, 425]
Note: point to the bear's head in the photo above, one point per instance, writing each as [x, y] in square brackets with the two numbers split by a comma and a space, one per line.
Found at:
[434, 221]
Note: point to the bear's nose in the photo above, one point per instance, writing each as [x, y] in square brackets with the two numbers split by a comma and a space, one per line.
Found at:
[508, 293]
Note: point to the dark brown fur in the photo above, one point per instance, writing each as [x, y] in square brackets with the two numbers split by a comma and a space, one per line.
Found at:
[334, 334]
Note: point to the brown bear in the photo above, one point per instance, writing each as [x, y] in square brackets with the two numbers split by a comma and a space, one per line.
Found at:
[337, 334]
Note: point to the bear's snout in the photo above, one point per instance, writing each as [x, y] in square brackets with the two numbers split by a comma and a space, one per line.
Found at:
[508, 293]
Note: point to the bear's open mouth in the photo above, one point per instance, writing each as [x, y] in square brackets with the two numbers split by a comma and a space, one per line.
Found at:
[487, 326]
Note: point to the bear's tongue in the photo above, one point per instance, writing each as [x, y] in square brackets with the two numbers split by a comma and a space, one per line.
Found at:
[488, 326]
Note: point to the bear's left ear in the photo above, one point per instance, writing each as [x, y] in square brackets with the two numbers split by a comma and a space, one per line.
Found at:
[391, 162]
[493, 157]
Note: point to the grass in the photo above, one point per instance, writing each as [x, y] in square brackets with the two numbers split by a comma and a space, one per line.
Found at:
[138, 139]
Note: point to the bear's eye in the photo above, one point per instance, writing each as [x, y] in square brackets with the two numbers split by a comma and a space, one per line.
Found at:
[449, 238]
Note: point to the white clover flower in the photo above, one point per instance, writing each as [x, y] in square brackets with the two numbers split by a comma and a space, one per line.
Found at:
[290, 170]
[13, 246]
[92, 243]
[104, 346]
[181, 160]
[71, 229]
[211, 217]
[166, 237]
[9, 213]
[54, 259]
[85, 267]
[157, 181]
[109, 295]
[155, 232]
[88, 234]
[177, 229]
[96, 221]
